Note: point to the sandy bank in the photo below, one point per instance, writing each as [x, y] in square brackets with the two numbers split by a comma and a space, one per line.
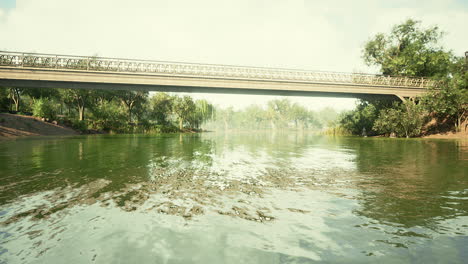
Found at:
[14, 126]
[449, 135]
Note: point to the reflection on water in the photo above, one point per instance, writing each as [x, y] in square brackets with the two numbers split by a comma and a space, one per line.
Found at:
[233, 198]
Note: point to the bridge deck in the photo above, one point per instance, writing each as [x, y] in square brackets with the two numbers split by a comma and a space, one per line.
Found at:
[50, 70]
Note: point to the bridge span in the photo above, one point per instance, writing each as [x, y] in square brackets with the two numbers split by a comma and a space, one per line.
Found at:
[37, 70]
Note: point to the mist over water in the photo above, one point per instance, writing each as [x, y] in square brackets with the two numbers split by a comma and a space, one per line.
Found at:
[240, 197]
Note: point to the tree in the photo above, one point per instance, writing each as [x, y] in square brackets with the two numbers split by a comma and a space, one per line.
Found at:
[299, 115]
[255, 116]
[15, 95]
[203, 112]
[451, 102]
[161, 107]
[4, 100]
[43, 107]
[226, 115]
[404, 119]
[78, 98]
[183, 107]
[363, 117]
[409, 50]
[36, 93]
[279, 112]
[132, 99]
[109, 116]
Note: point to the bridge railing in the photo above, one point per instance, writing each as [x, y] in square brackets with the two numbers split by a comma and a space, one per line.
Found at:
[66, 62]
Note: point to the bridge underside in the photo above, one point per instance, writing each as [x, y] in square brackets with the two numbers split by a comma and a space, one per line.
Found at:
[72, 79]
[186, 89]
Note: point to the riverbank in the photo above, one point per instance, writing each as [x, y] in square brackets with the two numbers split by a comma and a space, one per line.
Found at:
[448, 135]
[15, 126]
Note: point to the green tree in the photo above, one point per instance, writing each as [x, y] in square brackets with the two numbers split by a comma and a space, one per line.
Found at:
[161, 107]
[183, 107]
[451, 101]
[132, 100]
[255, 116]
[226, 115]
[43, 107]
[279, 112]
[109, 116]
[4, 99]
[15, 95]
[77, 98]
[404, 119]
[36, 93]
[409, 50]
[203, 112]
[362, 118]
[299, 115]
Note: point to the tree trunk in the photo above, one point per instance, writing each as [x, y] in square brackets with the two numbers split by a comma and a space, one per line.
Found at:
[17, 103]
[16, 98]
[81, 111]
[129, 114]
[180, 123]
[226, 127]
[459, 122]
[130, 108]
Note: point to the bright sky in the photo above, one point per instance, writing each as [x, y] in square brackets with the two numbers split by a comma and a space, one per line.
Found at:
[305, 34]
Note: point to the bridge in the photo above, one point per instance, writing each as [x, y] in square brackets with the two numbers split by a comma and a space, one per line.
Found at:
[37, 70]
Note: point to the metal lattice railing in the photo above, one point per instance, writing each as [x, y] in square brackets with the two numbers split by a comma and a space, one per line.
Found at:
[66, 62]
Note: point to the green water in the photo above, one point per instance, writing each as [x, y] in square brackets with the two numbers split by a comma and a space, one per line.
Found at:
[233, 198]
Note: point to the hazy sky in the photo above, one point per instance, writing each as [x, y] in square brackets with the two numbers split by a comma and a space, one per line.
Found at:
[305, 34]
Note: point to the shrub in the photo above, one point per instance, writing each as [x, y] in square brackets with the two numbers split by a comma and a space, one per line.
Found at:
[80, 125]
[43, 108]
[405, 119]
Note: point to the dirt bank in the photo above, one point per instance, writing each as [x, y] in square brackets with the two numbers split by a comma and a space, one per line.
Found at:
[14, 126]
[449, 135]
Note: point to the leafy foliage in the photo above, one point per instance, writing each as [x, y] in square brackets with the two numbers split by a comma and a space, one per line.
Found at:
[4, 100]
[44, 108]
[183, 107]
[161, 108]
[361, 119]
[451, 102]
[409, 50]
[132, 100]
[112, 111]
[403, 119]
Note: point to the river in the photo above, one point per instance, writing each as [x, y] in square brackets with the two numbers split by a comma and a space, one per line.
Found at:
[233, 198]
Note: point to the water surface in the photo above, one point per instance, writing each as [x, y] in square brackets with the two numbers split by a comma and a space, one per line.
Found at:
[233, 198]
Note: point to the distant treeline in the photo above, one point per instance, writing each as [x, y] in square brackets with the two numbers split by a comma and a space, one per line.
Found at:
[109, 111]
[277, 114]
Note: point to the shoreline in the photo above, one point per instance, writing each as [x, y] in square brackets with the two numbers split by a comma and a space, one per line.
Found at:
[448, 135]
[13, 126]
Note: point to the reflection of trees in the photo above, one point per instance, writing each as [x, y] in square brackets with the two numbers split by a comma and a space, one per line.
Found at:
[279, 145]
[410, 182]
[30, 166]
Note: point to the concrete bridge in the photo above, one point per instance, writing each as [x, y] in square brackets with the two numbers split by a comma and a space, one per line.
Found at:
[64, 71]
